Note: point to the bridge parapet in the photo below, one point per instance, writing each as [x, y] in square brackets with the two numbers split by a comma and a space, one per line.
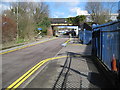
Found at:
[60, 22]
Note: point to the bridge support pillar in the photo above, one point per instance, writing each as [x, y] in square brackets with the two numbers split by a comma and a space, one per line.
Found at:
[50, 32]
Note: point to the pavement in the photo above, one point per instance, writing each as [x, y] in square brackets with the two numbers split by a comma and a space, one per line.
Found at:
[26, 45]
[76, 70]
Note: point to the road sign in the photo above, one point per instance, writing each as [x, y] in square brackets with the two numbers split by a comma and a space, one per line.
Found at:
[39, 28]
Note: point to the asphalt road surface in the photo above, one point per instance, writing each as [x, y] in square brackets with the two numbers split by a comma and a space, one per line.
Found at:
[15, 64]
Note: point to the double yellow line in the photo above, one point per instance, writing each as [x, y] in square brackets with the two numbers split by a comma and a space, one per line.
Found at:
[25, 47]
[67, 41]
[25, 76]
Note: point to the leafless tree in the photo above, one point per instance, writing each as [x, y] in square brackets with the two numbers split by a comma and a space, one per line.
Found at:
[94, 9]
[28, 16]
[99, 12]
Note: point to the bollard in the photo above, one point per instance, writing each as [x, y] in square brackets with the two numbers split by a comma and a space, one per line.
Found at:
[114, 64]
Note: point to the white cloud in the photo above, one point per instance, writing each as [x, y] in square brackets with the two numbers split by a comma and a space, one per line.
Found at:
[3, 7]
[78, 11]
[74, 9]
[82, 12]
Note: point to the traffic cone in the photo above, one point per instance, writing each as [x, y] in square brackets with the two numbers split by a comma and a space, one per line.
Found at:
[114, 64]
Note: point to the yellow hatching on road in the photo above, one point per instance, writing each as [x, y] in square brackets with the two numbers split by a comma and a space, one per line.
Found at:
[25, 47]
[25, 76]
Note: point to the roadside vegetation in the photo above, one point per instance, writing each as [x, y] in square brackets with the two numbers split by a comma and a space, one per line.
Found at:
[21, 22]
[76, 20]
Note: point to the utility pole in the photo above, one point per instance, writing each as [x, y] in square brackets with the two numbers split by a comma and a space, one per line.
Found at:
[17, 23]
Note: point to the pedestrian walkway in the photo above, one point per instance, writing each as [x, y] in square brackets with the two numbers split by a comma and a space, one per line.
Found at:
[77, 70]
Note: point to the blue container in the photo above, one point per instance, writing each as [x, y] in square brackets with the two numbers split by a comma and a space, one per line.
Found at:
[106, 42]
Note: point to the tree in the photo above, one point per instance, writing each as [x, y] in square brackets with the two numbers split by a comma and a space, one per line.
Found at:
[23, 12]
[80, 19]
[94, 9]
[100, 12]
[41, 16]
[29, 16]
[76, 20]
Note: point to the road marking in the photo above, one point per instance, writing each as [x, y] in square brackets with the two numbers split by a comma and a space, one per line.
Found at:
[25, 76]
[76, 44]
[67, 41]
[25, 47]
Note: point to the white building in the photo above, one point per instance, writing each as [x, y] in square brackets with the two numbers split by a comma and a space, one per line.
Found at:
[114, 16]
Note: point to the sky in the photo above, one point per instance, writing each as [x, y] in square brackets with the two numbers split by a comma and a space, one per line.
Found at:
[62, 8]
[66, 9]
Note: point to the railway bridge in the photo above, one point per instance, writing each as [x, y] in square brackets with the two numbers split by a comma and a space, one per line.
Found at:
[55, 22]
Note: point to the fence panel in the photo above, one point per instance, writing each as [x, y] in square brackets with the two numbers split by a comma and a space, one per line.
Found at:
[106, 42]
[85, 36]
